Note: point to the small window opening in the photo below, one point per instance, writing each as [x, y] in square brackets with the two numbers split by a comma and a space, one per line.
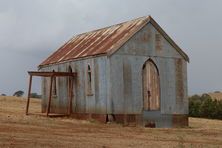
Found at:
[89, 80]
[70, 87]
[54, 86]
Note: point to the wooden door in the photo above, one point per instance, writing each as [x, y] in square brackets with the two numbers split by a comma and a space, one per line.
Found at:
[151, 86]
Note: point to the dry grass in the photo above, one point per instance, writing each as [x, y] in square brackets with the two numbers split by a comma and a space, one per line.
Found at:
[217, 96]
[18, 130]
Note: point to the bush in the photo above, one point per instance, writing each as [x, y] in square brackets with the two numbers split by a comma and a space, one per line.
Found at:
[204, 106]
[19, 93]
[35, 95]
[194, 109]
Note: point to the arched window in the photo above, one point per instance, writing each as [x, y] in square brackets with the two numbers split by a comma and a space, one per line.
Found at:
[70, 85]
[89, 80]
[70, 69]
[54, 88]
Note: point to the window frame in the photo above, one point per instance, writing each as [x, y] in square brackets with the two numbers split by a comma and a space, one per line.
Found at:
[54, 88]
[89, 80]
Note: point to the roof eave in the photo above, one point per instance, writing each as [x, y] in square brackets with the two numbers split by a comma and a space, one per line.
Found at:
[70, 60]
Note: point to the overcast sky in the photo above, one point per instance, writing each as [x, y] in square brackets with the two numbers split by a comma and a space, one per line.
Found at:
[32, 29]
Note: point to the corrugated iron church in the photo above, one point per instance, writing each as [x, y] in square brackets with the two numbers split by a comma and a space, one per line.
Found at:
[132, 73]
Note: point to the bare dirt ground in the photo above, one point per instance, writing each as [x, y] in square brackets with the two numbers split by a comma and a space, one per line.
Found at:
[19, 130]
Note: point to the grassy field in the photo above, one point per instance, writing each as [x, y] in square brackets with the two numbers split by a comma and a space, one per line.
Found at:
[217, 96]
[19, 130]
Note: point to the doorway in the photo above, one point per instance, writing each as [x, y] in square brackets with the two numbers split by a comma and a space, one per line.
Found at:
[151, 87]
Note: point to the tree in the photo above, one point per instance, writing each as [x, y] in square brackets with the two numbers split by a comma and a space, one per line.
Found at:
[219, 109]
[35, 95]
[204, 106]
[19, 93]
[194, 109]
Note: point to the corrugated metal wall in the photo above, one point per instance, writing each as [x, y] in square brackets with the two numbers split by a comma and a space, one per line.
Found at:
[126, 74]
[82, 102]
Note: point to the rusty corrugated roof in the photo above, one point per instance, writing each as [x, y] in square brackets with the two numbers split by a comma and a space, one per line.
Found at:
[97, 42]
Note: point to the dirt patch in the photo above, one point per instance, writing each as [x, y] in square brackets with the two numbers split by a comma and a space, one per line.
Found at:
[19, 130]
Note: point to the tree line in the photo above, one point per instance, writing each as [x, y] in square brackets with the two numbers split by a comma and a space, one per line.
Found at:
[205, 107]
[20, 93]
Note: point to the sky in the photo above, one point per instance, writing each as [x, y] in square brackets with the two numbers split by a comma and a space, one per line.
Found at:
[31, 30]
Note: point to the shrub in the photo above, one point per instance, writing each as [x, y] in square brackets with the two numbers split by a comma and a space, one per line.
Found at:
[19, 93]
[204, 106]
[35, 95]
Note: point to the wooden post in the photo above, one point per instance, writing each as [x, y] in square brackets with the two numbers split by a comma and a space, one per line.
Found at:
[72, 83]
[50, 96]
[29, 92]
[70, 95]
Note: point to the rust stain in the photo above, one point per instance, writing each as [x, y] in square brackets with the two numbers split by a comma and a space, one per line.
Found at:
[96, 42]
[158, 40]
[179, 80]
[180, 120]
